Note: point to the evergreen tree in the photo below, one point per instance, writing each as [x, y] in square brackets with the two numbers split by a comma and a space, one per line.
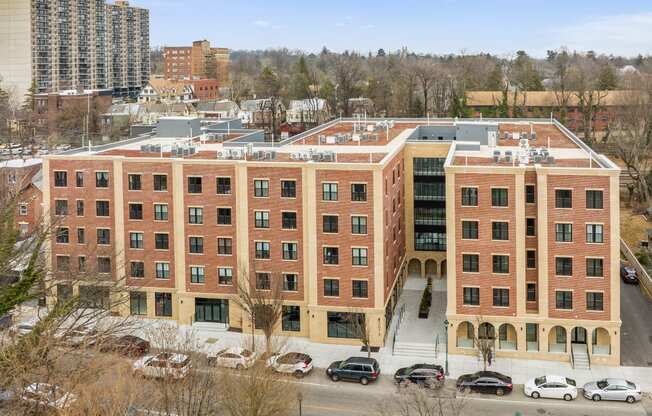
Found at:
[495, 79]
[607, 79]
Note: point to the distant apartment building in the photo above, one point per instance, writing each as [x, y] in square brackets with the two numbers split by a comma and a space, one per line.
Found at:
[56, 45]
[199, 61]
[517, 219]
[22, 179]
[50, 107]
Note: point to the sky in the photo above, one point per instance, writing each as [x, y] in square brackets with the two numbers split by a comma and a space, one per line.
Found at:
[622, 27]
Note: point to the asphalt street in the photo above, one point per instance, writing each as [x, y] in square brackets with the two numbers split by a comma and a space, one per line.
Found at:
[636, 330]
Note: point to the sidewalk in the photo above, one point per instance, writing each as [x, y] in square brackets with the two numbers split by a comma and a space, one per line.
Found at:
[520, 370]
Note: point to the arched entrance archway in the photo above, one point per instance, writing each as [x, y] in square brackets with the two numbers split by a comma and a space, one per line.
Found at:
[443, 269]
[486, 331]
[578, 335]
[414, 267]
[465, 334]
[557, 339]
[507, 337]
[431, 268]
[601, 342]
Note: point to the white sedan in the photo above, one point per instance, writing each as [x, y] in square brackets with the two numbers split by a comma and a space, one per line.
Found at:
[235, 357]
[163, 365]
[551, 387]
[291, 363]
[48, 395]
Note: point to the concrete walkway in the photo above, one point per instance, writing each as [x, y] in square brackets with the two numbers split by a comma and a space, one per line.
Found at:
[413, 329]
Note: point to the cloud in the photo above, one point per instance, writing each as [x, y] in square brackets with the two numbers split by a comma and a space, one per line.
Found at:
[262, 23]
[624, 34]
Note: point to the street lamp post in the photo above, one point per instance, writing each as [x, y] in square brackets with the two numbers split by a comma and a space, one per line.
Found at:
[299, 399]
[446, 330]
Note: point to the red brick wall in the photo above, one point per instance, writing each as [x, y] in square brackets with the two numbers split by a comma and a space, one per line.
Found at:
[344, 207]
[579, 249]
[32, 197]
[485, 246]
[394, 220]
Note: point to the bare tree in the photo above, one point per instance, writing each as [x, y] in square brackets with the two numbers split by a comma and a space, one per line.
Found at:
[413, 400]
[347, 75]
[484, 340]
[584, 81]
[426, 73]
[361, 329]
[262, 302]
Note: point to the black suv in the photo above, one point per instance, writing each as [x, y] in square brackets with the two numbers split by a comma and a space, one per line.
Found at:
[426, 375]
[360, 369]
[485, 382]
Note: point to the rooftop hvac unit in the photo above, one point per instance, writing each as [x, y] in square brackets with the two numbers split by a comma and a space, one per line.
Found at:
[370, 128]
[144, 148]
[250, 148]
[496, 156]
[341, 139]
[551, 160]
[331, 139]
[192, 150]
[220, 154]
[516, 135]
[317, 157]
[294, 156]
[173, 152]
[491, 138]
[156, 148]
[355, 138]
[524, 135]
[329, 157]
[523, 142]
[305, 156]
[537, 158]
[375, 137]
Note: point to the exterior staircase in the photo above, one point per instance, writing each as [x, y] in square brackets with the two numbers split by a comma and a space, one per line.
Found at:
[580, 357]
[415, 349]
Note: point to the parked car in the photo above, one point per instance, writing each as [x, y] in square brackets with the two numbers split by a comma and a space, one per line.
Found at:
[127, 345]
[628, 273]
[78, 336]
[359, 369]
[48, 395]
[426, 375]
[612, 389]
[235, 357]
[551, 387]
[163, 365]
[24, 328]
[485, 382]
[291, 363]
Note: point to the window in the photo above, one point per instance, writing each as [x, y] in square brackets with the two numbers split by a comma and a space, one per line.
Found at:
[79, 179]
[138, 303]
[290, 282]
[135, 211]
[160, 183]
[261, 219]
[136, 240]
[288, 189]
[594, 268]
[223, 185]
[594, 233]
[135, 182]
[160, 212]
[263, 281]
[530, 227]
[195, 215]
[137, 269]
[291, 318]
[531, 259]
[470, 230]
[194, 184]
[289, 251]
[162, 270]
[470, 263]
[225, 276]
[80, 208]
[469, 197]
[343, 324]
[498, 197]
[262, 250]
[358, 192]
[563, 198]
[594, 200]
[471, 296]
[101, 179]
[331, 287]
[500, 264]
[261, 188]
[163, 304]
[429, 241]
[329, 191]
[197, 274]
[501, 297]
[500, 230]
[331, 255]
[330, 223]
[564, 233]
[81, 236]
[102, 208]
[531, 292]
[61, 207]
[224, 246]
[594, 301]
[289, 220]
[63, 263]
[530, 195]
[103, 236]
[81, 264]
[196, 245]
[63, 235]
[563, 266]
[358, 225]
[564, 299]
[360, 288]
[161, 241]
[22, 209]
[359, 256]
[104, 265]
[60, 178]
[224, 216]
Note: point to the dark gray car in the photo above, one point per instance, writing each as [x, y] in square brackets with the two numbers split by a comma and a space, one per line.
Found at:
[359, 369]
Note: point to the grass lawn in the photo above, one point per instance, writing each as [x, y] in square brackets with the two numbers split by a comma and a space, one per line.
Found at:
[633, 228]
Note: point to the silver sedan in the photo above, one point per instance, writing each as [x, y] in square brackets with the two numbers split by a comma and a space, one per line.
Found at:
[612, 389]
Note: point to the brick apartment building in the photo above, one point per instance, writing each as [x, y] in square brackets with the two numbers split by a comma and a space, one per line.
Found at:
[519, 217]
[22, 180]
[50, 106]
[199, 61]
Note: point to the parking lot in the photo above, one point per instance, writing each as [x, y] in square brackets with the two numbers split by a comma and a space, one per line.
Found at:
[636, 330]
